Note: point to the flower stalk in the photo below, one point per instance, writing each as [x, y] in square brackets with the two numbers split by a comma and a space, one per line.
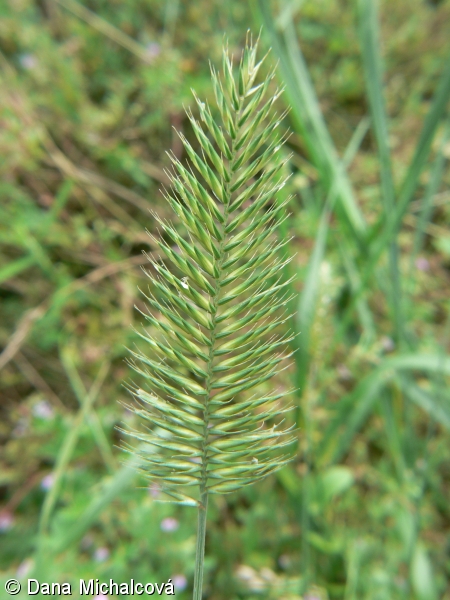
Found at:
[200, 547]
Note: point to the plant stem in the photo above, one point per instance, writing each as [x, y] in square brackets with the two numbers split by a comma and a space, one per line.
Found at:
[200, 550]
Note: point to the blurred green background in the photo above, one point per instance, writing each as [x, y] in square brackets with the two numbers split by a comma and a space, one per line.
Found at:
[89, 94]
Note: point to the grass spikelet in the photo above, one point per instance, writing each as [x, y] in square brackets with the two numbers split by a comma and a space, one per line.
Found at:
[217, 305]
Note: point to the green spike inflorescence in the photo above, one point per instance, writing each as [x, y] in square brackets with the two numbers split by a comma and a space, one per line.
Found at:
[217, 305]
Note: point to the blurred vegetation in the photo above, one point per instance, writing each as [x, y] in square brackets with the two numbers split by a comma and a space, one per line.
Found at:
[89, 93]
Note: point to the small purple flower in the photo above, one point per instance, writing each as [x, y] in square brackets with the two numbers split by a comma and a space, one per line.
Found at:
[43, 410]
[179, 582]
[154, 489]
[47, 482]
[387, 343]
[24, 568]
[28, 61]
[6, 521]
[152, 50]
[422, 264]
[101, 554]
[101, 597]
[169, 524]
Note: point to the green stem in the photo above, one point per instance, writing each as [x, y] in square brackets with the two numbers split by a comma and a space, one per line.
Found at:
[200, 550]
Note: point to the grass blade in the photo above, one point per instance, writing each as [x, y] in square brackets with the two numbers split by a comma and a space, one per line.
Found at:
[309, 121]
[68, 448]
[411, 181]
[382, 239]
[106, 28]
[109, 490]
[370, 45]
[437, 171]
[94, 423]
[436, 409]
[308, 298]
[15, 267]
[422, 152]
[355, 408]
[308, 117]
[422, 578]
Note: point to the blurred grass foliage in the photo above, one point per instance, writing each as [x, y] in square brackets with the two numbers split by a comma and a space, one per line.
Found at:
[89, 92]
